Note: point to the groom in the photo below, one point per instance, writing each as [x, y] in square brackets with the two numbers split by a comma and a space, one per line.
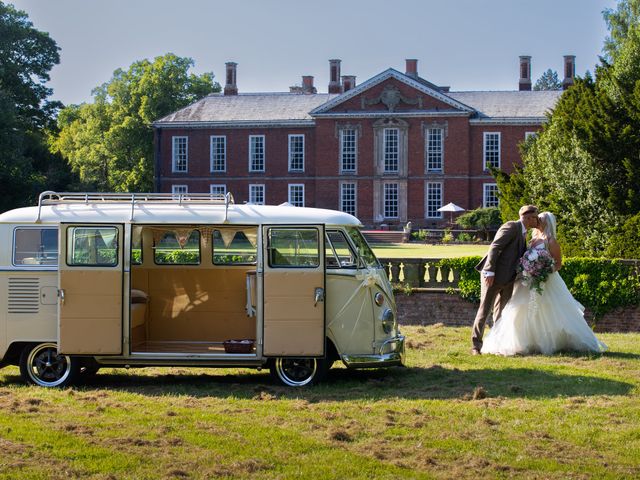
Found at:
[498, 270]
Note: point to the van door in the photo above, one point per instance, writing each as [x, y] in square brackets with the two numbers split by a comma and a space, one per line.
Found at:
[90, 288]
[293, 291]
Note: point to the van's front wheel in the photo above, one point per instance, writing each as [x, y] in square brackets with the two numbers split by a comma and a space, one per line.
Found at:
[42, 365]
[298, 372]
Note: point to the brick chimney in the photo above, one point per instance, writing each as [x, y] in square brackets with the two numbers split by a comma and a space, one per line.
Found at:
[307, 84]
[230, 87]
[334, 76]
[411, 67]
[348, 82]
[525, 73]
[569, 71]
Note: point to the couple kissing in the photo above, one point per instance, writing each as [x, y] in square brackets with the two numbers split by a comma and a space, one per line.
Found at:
[533, 310]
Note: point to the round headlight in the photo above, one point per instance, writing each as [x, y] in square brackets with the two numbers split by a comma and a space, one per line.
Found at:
[388, 319]
[379, 299]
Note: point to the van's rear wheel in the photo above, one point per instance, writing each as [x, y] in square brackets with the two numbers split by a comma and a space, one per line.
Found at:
[298, 372]
[42, 365]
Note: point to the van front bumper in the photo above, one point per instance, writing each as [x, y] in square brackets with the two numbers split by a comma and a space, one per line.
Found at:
[394, 357]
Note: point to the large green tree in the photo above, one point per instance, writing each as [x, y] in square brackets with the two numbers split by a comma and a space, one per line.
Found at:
[109, 142]
[585, 164]
[27, 55]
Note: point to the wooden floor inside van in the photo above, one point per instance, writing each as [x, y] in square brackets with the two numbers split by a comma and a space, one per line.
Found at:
[180, 347]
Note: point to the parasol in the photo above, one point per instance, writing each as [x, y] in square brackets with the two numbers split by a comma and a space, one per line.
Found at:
[451, 207]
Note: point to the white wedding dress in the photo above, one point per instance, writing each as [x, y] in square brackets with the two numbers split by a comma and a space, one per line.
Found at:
[541, 323]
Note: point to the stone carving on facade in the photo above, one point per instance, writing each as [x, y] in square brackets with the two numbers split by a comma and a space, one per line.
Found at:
[427, 125]
[391, 98]
[348, 126]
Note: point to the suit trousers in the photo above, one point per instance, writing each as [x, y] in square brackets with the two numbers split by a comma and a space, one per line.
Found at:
[495, 296]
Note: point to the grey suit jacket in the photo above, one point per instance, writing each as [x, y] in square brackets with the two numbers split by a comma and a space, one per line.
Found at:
[505, 252]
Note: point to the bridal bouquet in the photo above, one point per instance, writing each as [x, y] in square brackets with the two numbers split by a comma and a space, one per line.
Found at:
[536, 265]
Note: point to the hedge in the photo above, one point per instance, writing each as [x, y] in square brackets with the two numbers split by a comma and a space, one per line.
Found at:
[600, 285]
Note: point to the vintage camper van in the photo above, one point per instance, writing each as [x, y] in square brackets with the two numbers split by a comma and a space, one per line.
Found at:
[90, 280]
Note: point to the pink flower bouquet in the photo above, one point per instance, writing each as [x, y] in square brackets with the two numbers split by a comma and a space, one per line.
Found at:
[536, 265]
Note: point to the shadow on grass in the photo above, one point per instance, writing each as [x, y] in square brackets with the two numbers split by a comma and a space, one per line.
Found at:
[434, 382]
[622, 355]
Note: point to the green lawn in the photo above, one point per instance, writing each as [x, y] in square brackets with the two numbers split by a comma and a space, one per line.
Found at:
[421, 250]
[446, 415]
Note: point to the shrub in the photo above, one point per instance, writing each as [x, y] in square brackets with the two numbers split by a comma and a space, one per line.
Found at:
[481, 219]
[601, 285]
[447, 237]
[625, 241]
[465, 237]
[469, 283]
[598, 284]
[420, 235]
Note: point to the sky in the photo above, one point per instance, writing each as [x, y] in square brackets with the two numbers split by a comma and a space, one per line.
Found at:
[464, 44]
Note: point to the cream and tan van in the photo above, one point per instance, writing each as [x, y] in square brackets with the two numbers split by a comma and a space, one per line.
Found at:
[132, 280]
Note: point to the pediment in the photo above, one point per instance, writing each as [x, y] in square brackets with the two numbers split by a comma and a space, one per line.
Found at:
[393, 92]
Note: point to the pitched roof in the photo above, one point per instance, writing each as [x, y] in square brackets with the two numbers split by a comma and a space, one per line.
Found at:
[516, 104]
[423, 86]
[291, 109]
[249, 107]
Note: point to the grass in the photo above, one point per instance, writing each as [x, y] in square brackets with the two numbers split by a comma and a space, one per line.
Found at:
[446, 415]
[421, 250]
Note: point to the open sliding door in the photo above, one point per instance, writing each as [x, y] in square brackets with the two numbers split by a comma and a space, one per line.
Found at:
[90, 287]
[294, 289]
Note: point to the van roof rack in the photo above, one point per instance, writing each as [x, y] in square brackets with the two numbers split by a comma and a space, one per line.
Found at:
[58, 198]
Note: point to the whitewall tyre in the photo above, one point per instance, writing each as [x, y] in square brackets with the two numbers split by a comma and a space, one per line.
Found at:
[298, 372]
[41, 365]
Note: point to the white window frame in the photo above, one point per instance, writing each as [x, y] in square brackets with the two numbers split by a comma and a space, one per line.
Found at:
[176, 162]
[350, 150]
[217, 186]
[212, 154]
[387, 156]
[293, 137]
[177, 189]
[427, 200]
[384, 199]
[260, 186]
[291, 188]
[436, 154]
[252, 153]
[485, 195]
[485, 136]
[343, 200]
[527, 135]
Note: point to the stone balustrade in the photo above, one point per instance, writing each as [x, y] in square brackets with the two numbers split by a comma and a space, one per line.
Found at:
[425, 272]
[420, 273]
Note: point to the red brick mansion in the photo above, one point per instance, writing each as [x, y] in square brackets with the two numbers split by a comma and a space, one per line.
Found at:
[392, 149]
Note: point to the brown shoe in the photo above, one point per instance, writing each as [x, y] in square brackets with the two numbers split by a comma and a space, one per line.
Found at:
[475, 351]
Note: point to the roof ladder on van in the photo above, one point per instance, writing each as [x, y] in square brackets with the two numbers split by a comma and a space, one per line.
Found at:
[59, 198]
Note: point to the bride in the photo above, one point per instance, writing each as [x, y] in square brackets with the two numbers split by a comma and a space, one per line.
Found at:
[542, 323]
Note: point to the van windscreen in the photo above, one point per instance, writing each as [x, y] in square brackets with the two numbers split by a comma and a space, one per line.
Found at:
[364, 251]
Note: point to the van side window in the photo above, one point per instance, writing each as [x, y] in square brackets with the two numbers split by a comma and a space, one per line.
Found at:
[91, 246]
[338, 251]
[232, 246]
[293, 247]
[136, 245]
[35, 247]
[177, 247]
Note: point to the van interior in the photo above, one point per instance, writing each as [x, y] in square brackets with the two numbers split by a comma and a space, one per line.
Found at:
[193, 289]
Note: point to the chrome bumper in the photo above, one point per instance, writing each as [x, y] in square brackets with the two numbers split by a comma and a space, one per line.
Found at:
[391, 359]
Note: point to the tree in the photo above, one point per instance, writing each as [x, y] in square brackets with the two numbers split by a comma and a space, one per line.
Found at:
[620, 21]
[109, 142]
[27, 56]
[548, 81]
[483, 219]
[584, 165]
